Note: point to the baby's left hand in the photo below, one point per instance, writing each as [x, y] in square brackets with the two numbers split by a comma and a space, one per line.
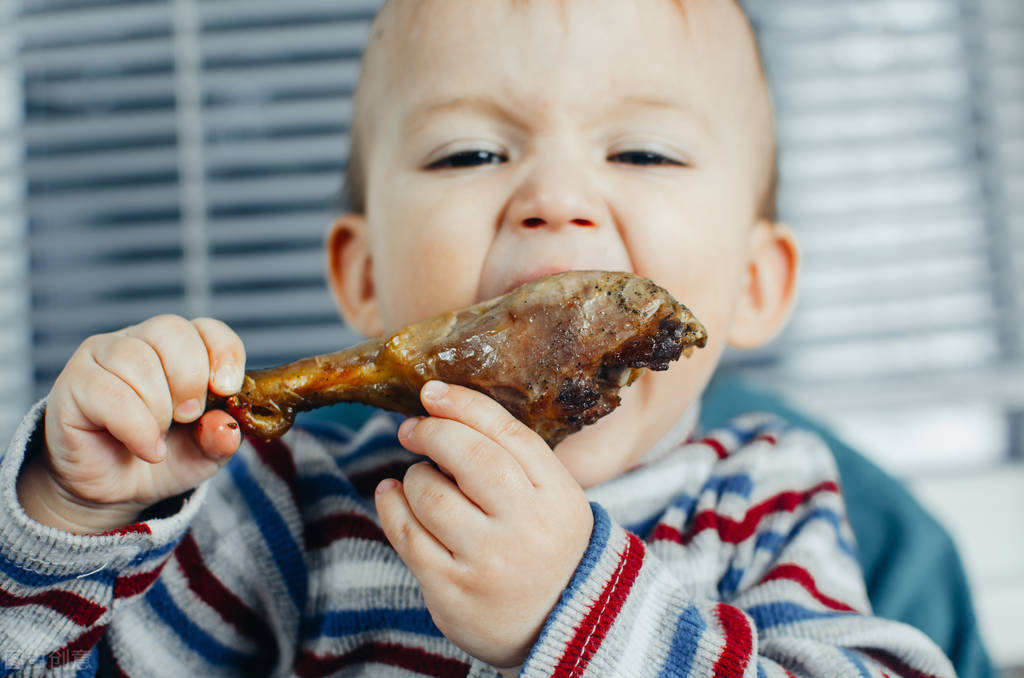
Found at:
[494, 545]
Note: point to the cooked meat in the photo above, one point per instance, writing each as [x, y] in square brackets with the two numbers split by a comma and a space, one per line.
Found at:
[553, 352]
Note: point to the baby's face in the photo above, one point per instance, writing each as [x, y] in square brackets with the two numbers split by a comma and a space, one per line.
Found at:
[509, 140]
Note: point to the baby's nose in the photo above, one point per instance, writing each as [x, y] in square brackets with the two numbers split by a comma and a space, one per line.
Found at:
[555, 197]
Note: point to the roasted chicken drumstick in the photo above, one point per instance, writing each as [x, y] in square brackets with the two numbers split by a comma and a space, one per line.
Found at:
[553, 352]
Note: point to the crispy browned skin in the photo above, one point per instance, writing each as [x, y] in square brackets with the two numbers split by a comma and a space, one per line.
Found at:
[554, 353]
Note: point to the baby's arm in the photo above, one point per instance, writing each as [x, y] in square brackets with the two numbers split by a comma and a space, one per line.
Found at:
[75, 479]
[788, 598]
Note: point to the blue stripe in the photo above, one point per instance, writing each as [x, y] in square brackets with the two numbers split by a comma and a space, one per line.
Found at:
[680, 657]
[685, 503]
[829, 516]
[760, 670]
[317, 487]
[373, 445]
[194, 637]
[341, 623]
[332, 431]
[744, 435]
[153, 554]
[769, 541]
[29, 577]
[282, 547]
[782, 612]
[728, 584]
[855, 660]
[739, 484]
[598, 543]
[773, 542]
[644, 527]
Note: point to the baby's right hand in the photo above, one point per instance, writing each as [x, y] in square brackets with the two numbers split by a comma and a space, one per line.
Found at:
[111, 447]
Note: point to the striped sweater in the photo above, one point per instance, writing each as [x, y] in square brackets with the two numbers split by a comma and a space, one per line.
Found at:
[727, 555]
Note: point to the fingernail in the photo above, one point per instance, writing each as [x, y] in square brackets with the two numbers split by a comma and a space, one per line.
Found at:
[407, 426]
[188, 410]
[227, 380]
[386, 485]
[161, 450]
[434, 390]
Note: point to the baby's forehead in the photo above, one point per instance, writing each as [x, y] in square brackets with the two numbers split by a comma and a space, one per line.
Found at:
[407, 33]
[567, 53]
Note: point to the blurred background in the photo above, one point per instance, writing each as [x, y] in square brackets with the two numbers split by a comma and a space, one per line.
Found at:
[183, 156]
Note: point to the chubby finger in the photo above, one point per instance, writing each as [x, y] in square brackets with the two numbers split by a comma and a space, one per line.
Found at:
[217, 435]
[421, 552]
[111, 404]
[184, 358]
[227, 355]
[442, 509]
[484, 471]
[485, 415]
[136, 365]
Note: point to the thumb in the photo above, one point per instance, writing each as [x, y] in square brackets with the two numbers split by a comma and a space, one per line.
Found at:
[217, 435]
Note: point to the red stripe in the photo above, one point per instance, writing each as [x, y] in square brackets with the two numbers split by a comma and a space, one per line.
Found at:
[803, 577]
[311, 665]
[133, 585]
[136, 528]
[894, 663]
[739, 641]
[212, 591]
[71, 605]
[278, 458]
[767, 438]
[715, 445]
[590, 632]
[77, 649]
[366, 482]
[733, 531]
[326, 530]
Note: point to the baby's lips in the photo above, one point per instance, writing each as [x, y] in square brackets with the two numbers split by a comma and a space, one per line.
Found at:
[532, 273]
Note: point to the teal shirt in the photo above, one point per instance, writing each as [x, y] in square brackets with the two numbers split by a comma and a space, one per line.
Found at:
[897, 539]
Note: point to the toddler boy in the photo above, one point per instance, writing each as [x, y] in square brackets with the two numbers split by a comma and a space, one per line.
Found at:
[495, 142]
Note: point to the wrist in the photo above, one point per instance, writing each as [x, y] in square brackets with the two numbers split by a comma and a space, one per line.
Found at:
[49, 503]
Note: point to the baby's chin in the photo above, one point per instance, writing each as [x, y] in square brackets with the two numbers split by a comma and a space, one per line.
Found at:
[613, 444]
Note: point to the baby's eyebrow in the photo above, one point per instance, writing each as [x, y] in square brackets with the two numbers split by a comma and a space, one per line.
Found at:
[491, 108]
[695, 113]
[483, 105]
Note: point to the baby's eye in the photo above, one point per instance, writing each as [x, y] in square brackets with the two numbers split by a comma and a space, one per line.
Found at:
[468, 159]
[644, 158]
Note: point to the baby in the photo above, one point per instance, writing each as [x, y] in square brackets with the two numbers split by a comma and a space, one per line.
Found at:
[494, 142]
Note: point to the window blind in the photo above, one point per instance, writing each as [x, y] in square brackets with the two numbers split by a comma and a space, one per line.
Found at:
[181, 156]
[15, 373]
[900, 131]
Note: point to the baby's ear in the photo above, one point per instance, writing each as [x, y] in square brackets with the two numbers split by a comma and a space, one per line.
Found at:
[350, 274]
[769, 291]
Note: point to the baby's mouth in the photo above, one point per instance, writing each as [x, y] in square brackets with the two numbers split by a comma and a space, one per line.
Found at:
[534, 274]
